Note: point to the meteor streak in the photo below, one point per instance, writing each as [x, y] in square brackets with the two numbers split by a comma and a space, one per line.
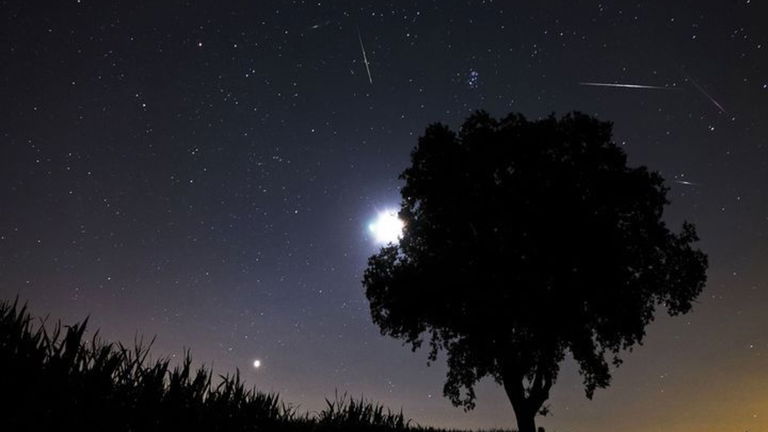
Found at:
[365, 58]
[322, 24]
[704, 92]
[630, 86]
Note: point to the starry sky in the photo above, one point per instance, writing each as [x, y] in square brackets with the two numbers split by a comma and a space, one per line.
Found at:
[206, 172]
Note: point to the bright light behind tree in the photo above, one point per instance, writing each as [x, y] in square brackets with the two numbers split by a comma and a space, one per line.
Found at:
[387, 228]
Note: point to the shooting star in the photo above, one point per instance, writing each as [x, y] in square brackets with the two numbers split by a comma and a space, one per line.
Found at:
[704, 92]
[686, 183]
[319, 25]
[365, 58]
[630, 86]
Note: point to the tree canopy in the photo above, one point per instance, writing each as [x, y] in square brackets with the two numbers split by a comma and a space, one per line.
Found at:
[525, 241]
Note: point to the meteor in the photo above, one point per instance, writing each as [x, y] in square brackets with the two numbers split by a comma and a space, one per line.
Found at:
[685, 182]
[704, 92]
[630, 86]
[319, 25]
[365, 58]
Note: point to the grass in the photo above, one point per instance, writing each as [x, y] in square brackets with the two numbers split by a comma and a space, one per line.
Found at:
[58, 380]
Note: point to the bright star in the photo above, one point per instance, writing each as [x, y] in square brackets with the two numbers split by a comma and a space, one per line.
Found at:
[387, 228]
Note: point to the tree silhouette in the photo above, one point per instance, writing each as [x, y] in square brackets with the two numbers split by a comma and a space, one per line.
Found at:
[525, 241]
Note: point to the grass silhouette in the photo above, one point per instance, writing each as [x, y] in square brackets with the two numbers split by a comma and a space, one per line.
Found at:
[57, 379]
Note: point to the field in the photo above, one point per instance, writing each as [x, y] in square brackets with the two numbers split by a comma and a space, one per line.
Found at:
[54, 378]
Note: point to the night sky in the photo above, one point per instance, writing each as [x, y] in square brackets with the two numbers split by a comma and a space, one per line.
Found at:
[206, 172]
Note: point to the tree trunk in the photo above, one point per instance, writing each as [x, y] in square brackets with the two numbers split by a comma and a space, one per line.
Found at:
[526, 420]
[526, 406]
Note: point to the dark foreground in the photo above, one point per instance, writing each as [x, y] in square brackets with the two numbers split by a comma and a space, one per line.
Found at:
[56, 379]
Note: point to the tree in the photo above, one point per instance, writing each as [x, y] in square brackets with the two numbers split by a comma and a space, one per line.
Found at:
[525, 241]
